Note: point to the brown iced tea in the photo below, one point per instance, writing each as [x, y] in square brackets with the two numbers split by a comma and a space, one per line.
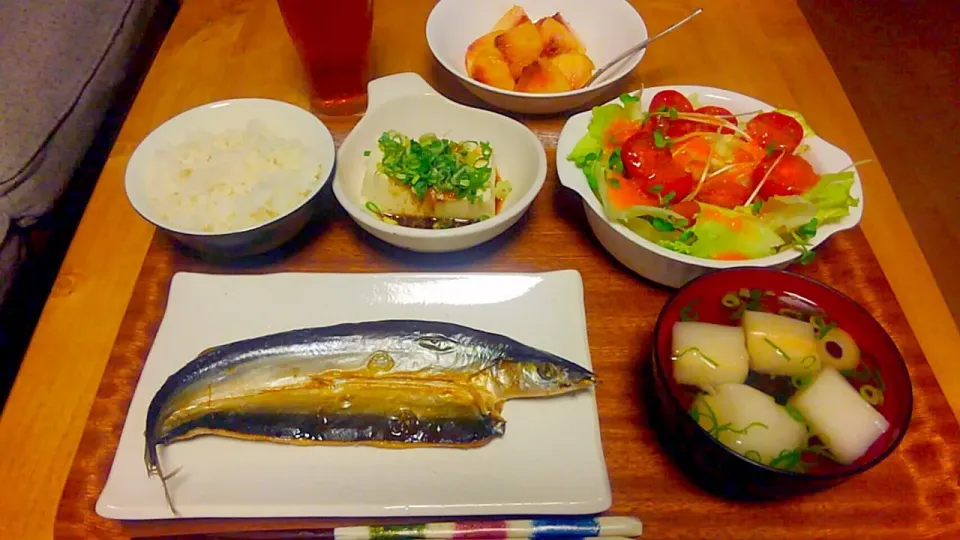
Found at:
[332, 38]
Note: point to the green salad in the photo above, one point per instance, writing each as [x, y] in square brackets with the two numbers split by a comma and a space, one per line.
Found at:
[707, 182]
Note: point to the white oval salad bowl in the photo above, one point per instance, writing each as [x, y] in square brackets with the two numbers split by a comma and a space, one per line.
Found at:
[672, 268]
[605, 27]
[405, 103]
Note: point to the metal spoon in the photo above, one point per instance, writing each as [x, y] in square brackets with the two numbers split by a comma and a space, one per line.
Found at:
[639, 47]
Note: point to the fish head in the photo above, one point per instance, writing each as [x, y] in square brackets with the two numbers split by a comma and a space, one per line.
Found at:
[540, 378]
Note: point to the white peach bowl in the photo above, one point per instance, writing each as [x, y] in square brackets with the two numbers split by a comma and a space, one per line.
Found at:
[406, 103]
[668, 267]
[606, 27]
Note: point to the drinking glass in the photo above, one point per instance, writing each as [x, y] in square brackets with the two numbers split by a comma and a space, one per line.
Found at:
[332, 38]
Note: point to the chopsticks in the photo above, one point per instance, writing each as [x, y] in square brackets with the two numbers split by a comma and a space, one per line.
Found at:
[605, 528]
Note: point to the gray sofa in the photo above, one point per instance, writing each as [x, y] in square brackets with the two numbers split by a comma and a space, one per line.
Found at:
[61, 62]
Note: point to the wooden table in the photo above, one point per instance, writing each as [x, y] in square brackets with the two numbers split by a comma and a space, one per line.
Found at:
[221, 49]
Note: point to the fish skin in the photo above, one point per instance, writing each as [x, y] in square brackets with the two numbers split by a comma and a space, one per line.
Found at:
[505, 368]
[309, 429]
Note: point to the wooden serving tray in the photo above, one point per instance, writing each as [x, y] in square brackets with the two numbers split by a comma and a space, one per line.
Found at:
[912, 494]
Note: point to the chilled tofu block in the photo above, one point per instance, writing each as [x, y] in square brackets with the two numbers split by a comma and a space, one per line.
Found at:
[780, 345]
[749, 422]
[396, 198]
[839, 416]
[708, 355]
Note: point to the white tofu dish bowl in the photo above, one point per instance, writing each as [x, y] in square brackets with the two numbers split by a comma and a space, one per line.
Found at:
[426, 174]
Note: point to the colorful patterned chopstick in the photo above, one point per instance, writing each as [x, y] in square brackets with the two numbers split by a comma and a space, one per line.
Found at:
[602, 528]
[534, 529]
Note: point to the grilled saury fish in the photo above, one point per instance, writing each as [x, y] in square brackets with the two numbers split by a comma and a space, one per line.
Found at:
[393, 383]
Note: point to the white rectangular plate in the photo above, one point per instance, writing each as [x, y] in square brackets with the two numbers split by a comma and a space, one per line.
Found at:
[550, 461]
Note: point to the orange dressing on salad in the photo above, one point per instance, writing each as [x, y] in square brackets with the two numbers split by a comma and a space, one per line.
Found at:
[734, 223]
[692, 155]
[738, 172]
[627, 194]
[693, 149]
[748, 152]
[619, 131]
[730, 256]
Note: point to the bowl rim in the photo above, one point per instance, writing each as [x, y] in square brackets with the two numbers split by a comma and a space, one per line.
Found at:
[848, 470]
[170, 125]
[362, 216]
[566, 169]
[627, 65]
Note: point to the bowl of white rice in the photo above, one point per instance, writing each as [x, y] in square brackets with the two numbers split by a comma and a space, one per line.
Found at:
[233, 178]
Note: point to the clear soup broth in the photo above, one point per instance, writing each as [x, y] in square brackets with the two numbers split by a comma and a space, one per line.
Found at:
[727, 308]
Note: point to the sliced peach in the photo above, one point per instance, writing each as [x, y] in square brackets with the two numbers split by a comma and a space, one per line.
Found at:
[492, 70]
[521, 46]
[542, 77]
[515, 16]
[558, 37]
[482, 46]
[576, 67]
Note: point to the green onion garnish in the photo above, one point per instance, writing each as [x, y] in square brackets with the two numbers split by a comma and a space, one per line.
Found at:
[429, 163]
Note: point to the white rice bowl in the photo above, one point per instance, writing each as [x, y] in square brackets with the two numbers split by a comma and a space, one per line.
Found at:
[229, 181]
[229, 166]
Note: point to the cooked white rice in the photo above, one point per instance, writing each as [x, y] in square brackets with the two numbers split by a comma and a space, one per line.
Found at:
[228, 181]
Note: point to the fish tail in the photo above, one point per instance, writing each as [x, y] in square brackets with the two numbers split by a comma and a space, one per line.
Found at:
[151, 459]
[166, 489]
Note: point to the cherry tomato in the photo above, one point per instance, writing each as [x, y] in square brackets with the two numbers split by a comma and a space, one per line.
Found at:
[724, 192]
[719, 112]
[792, 175]
[679, 128]
[639, 154]
[671, 178]
[775, 131]
[713, 110]
[657, 123]
[729, 189]
[653, 168]
[670, 98]
[688, 209]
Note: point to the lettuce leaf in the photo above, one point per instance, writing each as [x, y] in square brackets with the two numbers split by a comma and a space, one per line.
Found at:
[725, 234]
[631, 106]
[636, 212]
[588, 154]
[783, 214]
[832, 197]
[678, 246]
[827, 201]
[639, 218]
[587, 149]
[603, 117]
